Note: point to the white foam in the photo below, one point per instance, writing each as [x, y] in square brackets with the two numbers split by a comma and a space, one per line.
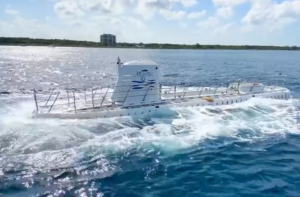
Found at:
[56, 143]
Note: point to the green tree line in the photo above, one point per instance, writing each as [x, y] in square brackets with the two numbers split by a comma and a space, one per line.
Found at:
[75, 43]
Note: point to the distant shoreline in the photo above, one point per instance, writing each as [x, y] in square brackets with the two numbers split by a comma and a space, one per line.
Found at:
[10, 41]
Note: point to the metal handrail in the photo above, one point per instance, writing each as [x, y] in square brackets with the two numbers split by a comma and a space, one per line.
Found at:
[103, 95]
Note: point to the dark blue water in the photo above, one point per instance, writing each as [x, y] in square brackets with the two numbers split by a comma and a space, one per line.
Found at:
[247, 149]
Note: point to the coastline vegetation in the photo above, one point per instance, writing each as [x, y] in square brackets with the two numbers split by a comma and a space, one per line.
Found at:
[13, 41]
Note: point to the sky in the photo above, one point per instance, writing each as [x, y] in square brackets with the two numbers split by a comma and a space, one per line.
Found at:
[232, 22]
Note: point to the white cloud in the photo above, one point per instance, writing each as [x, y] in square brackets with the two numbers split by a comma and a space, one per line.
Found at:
[272, 15]
[22, 27]
[186, 3]
[107, 6]
[80, 29]
[229, 2]
[214, 26]
[12, 12]
[87, 19]
[225, 12]
[68, 9]
[146, 8]
[91, 5]
[135, 22]
[211, 22]
[196, 15]
[172, 15]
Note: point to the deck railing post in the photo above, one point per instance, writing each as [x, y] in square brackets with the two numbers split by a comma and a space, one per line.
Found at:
[68, 98]
[74, 101]
[175, 91]
[84, 94]
[49, 97]
[201, 91]
[54, 102]
[160, 90]
[104, 96]
[215, 91]
[93, 94]
[35, 99]
[185, 90]
[146, 93]
[251, 88]
[127, 94]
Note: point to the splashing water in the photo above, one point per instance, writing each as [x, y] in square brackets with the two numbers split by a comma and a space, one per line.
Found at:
[245, 149]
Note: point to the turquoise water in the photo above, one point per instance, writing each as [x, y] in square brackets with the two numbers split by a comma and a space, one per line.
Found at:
[247, 149]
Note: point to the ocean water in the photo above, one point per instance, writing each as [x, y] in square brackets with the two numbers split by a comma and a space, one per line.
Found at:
[246, 149]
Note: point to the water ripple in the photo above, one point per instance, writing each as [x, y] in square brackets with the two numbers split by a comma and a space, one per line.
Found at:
[248, 149]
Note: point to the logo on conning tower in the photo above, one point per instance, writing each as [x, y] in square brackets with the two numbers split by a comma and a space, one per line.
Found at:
[143, 74]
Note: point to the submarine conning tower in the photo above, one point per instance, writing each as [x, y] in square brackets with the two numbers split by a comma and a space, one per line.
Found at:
[137, 83]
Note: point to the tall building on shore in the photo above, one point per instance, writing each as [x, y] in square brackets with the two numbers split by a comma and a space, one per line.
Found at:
[108, 39]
